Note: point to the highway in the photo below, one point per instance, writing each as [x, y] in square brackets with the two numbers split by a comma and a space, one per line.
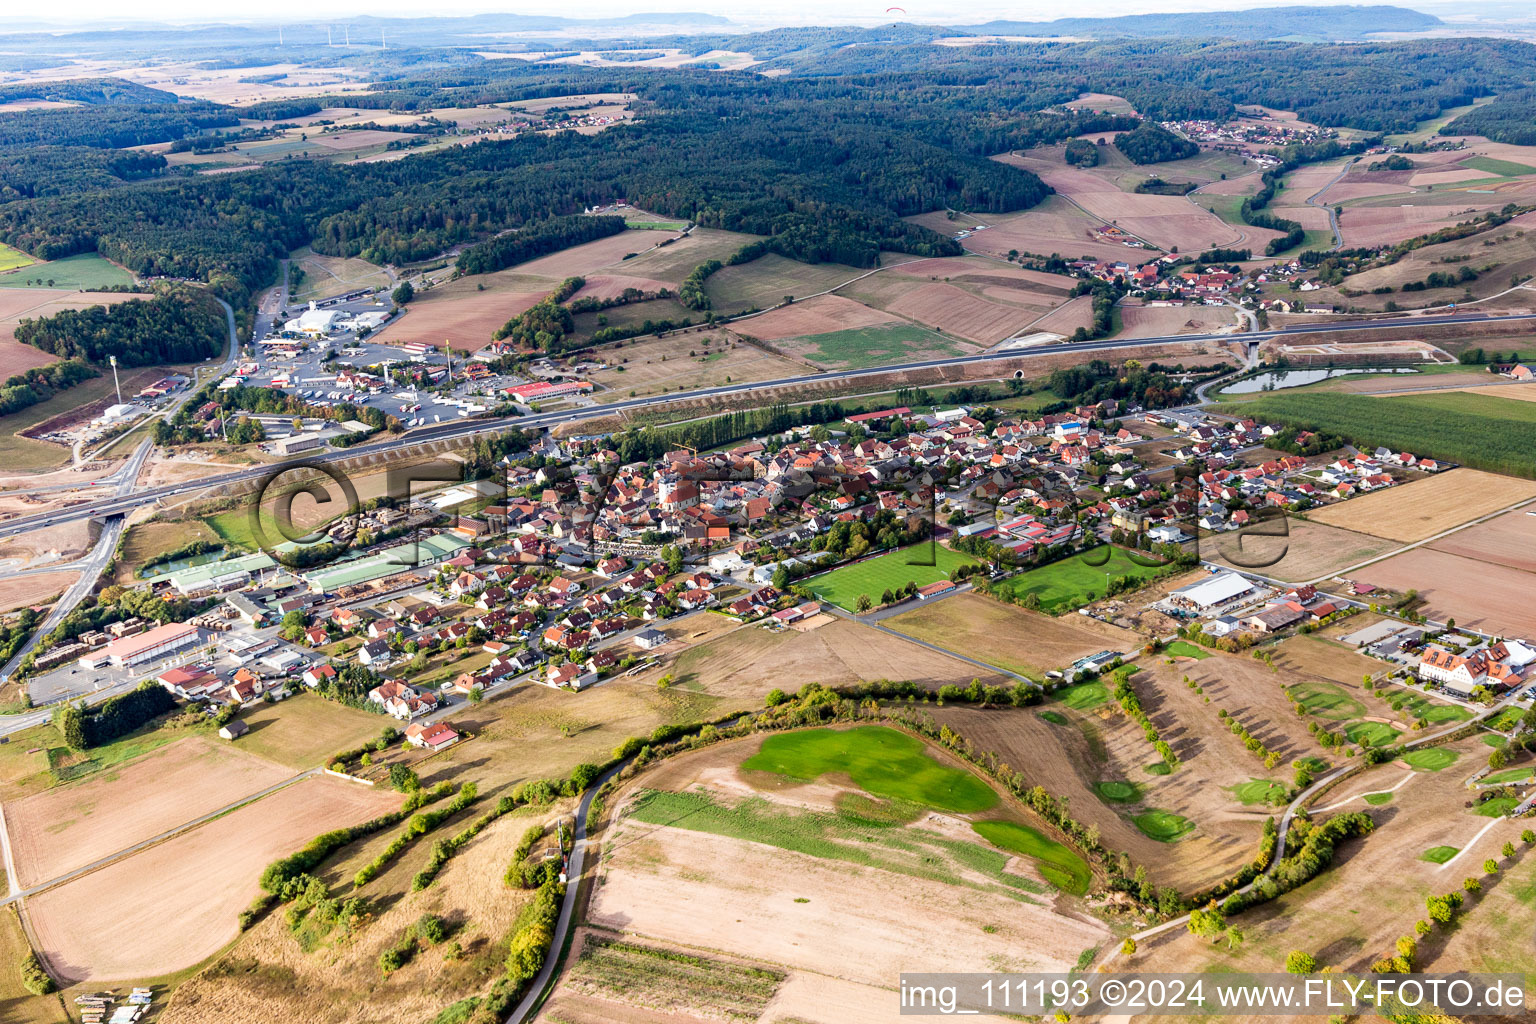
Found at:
[468, 428]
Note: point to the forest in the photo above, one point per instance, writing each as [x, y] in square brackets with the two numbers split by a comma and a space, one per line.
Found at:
[825, 162]
[41, 383]
[1511, 118]
[1151, 143]
[180, 326]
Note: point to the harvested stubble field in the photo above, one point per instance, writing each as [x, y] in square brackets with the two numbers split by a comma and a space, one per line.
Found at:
[1508, 540]
[656, 365]
[67, 827]
[1374, 892]
[305, 730]
[1164, 221]
[1161, 321]
[820, 315]
[1054, 226]
[267, 975]
[1481, 594]
[20, 591]
[1308, 550]
[82, 924]
[747, 663]
[768, 279]
[1388, 221]
[1014, 639]
[1427, 506]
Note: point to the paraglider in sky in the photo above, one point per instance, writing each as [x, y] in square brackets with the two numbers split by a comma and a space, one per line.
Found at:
[900, 10]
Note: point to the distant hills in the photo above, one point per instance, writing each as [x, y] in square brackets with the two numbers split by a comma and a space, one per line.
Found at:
[1311, 23]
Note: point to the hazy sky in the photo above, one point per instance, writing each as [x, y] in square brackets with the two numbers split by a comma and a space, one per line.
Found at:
[755, 12]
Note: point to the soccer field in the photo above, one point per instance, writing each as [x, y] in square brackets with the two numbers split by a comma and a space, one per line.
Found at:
[1077, 579]
[889, 571]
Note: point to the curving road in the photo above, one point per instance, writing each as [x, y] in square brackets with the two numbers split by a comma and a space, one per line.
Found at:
[573, 871]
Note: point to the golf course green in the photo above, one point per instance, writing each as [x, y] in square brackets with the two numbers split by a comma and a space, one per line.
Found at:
[879, 760]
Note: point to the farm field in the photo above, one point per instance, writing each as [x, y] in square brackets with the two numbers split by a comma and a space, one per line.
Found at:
[25, 590]
[271, 973]
[976, 299]
[1309, 549]
[1012, 638]
[67, 827]
[1053, 226]
[1164, 221]
[766, 280]
[1424, 507]
[1075, 580]
[746, 664]
[874, 346]
[1508, 540]
[656, 365]
[1162, 321]
[1477, 593]
[672, 263]
[80, 924]
[304, 731]
[821, 315]
[13, 259]
[85, 272]
[889, 571]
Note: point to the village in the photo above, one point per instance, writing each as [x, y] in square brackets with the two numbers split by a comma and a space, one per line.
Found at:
[571, 567]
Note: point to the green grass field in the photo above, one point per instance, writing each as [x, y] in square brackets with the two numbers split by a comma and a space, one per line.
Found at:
[1505, 720]
[654, 225]
[889, 571]
[879, 760]
[1495, 740]
[1118, 792]
[849, 838]
[1376, 734]
[1497, 807]
[872, 346]
[1325, 700]
[1418, 706]
[1054, 717]
[1058, 864]
[1261, 791]
[1076, 580]
[1158, 768]
[1083, 696]
[11, 258]
[1185, 649]
[1433, 759]
[1439, 854]
[1493, 165]
[1377, 799]
[1164, 826]
[1511, 775]
[86, 272]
